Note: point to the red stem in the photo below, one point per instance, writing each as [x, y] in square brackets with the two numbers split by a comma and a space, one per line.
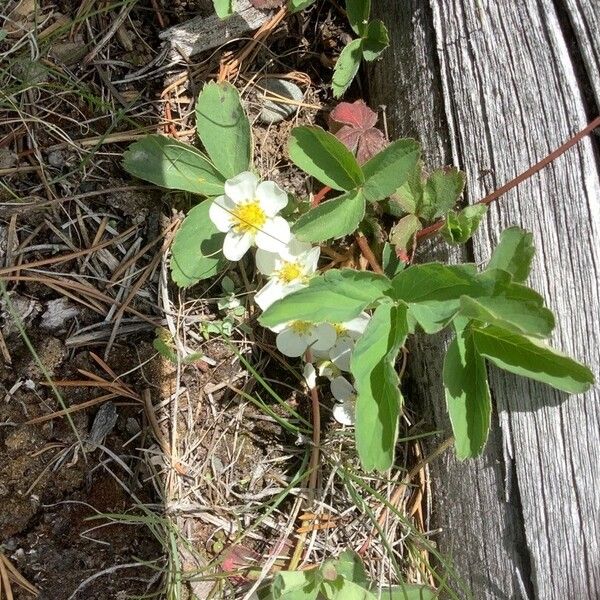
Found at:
[428, 231]
[318, 197]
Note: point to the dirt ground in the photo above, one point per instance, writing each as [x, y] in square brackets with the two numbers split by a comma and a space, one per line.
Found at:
[120, 471]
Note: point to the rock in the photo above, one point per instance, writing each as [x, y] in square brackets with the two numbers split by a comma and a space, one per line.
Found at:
[274, 111]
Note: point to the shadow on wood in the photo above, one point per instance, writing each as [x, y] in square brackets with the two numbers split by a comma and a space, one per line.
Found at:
[492, 87]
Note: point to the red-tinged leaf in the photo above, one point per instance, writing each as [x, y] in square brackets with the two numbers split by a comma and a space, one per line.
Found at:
[354, 125]
[265, 4]
[349, 136]
[371, 142]
[238, 559]
[356, 114]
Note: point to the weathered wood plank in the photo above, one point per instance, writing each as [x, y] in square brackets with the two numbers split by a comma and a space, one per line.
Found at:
[207, 32]
[523, 521]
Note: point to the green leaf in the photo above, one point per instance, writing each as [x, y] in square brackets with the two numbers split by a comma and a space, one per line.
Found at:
[433, 290]
[343, 589]
[320, 154]
[331, 219]
[467, 394]
[377, 383]
[197, 251]
[298, 5]
[223, 8]
[172, 165]
[3, 34]
[224, 128]
[346, 67]
[408, 197]
[376, 40]
[517, 308]
[296, 585]
[390, 262]
[514, 253]
[336, 296]
[390, 168]
[441, 192]
[408, 591]
[524, 356]
[460, 227]
[403, 232]
[349, 566]
[163, 344]
[358, 15]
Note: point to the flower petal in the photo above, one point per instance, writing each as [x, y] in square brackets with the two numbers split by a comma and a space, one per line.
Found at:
[341, 353]
[341, 388]
[236, 245]
[310, 376]
[271, 197]
[323, 337]
[220, 212]
[290, 343]
[311, 260]
[266, 262]
[356, 327]
[295, 249]
[268, 294]
[273, 235]
[344, 412]
[242, 187]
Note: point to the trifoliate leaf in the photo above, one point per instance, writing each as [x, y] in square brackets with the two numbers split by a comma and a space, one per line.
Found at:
[358, 132]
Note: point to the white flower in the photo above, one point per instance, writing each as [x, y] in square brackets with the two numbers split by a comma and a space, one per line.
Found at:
[295, 338]
[247, 212]
[347, 334]
[310, 376]
[343, 391]
[288, 270]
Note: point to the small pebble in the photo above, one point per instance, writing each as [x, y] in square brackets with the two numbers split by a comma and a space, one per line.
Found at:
[273, 111]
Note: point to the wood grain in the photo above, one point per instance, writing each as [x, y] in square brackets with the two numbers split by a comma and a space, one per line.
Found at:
[515, 81]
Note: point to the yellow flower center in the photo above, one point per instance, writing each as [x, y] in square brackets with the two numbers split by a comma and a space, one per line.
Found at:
[289, 272]
[339, 329]
[248, 217]
[301, 327]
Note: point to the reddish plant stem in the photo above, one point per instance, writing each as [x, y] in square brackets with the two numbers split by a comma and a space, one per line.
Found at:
[366, 251]
[318, 197]
[428, 231]
[313, 464]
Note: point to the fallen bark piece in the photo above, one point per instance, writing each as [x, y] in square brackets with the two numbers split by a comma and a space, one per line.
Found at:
[204, 33]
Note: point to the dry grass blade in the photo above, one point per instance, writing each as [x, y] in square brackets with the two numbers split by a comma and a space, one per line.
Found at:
[10, 575]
